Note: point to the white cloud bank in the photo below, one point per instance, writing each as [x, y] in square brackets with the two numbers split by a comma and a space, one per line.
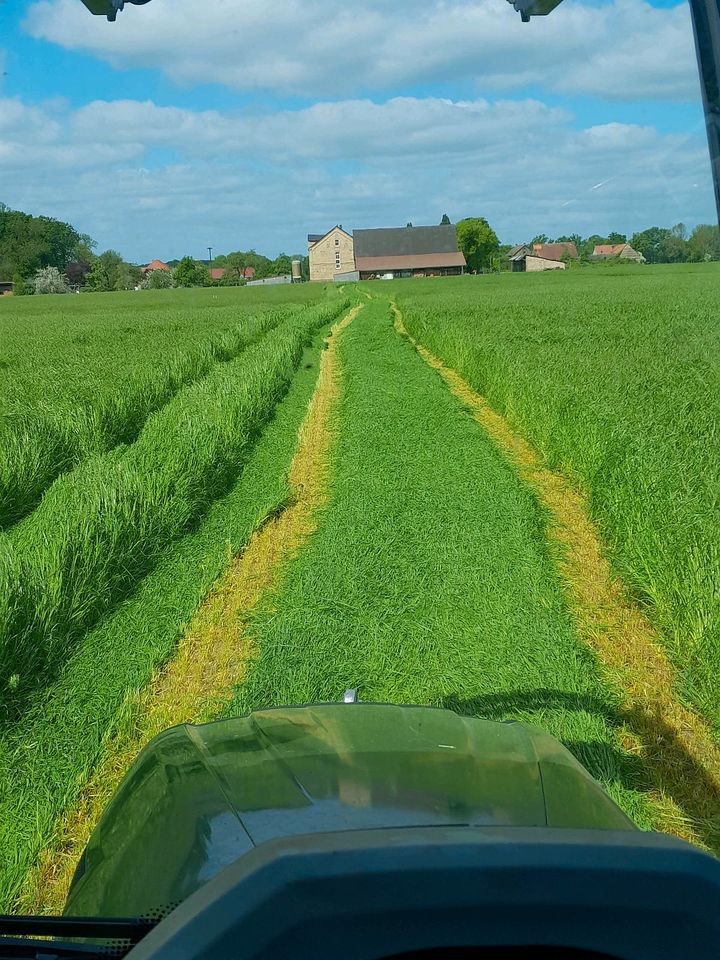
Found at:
[162, 181]
[622, 50]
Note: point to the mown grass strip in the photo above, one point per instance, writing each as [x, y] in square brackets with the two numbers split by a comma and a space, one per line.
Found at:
[428, 580]
[213, 653]
[99, 530]
[39, 444]
[47, 757]
[675, 744]
[613, 375]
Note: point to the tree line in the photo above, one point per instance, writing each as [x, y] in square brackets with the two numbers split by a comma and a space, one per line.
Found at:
[479, 242]
[45, 255]
[657, 244]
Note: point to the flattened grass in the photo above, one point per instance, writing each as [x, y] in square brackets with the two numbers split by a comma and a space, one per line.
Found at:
[47, 757]
[428, 580]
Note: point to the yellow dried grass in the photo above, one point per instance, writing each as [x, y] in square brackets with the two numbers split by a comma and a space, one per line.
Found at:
[213, 654]
[675, 744]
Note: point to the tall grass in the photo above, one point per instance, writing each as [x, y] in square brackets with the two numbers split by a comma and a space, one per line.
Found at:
[66, 727]
[54, 418]
[428, 580]
[102, 527]
[615, 377]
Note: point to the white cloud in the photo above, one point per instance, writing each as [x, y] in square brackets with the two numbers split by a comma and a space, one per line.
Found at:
[240, 180]
[622, 50]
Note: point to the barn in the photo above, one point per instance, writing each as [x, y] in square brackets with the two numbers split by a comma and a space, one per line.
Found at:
[385, 253]
[408, 252]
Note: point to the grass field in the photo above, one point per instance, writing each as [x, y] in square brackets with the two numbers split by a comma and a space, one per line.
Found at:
[432, 576]
[615, 377]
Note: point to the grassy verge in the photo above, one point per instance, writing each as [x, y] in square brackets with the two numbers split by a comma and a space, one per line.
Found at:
[615, 379]
[46, 759]
[429, 580]
[100, 529]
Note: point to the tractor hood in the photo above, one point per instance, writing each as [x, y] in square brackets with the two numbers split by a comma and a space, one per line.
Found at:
[199, 797]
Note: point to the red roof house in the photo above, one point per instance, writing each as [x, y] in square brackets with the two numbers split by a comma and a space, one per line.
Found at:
[156, 265]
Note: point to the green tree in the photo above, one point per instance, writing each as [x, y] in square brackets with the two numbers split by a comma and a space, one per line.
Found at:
[704, 243]
[540, 238]
[616, 238]
[20, 288]
[189, 273]
[478, 241]
[281, 265]
[648, 243]
[105, 272]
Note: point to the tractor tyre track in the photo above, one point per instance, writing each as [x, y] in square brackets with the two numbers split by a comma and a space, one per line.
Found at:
[675, 745]
[213, 655]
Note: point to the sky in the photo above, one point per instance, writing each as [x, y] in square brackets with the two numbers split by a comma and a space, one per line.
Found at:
[243, 124]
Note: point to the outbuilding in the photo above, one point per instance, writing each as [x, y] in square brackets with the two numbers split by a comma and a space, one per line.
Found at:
[408, 252]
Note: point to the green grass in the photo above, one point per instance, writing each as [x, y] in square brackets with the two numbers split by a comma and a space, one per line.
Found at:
[49, 753]
[615, 377]
[428, 580]
[79, 375]
[100, 528]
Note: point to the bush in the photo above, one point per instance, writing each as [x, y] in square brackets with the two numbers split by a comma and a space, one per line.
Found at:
[49, 280]
[158, 280]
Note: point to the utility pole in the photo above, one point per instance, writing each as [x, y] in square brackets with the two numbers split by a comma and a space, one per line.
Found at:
[210, 252]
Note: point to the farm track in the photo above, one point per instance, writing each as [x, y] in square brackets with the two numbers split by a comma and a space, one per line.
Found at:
[676, 746]
[213, 655]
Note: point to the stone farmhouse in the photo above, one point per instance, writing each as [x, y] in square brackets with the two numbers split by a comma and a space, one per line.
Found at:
[623, 251]
[536, 257]
[385, 253]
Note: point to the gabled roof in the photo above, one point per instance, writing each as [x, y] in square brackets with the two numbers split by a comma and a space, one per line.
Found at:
[518, 251]
[555, 251]
[317, 237]
[405, 241]
[217, 273]
[609, 249]
[156, 265]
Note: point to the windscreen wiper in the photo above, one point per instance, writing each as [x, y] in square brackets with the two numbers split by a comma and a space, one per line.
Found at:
[69, 938]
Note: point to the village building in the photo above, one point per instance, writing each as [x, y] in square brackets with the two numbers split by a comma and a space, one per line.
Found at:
[536, 257]
[330, 253]
[621, 251]
[385, 253]
[408, 252]
[155, 265]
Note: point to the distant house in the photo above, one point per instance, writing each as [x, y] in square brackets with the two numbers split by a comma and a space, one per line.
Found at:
[7, 288]
[330, 253]
[408, 252]
[536, 257]
[623, 251]
[217, 273]
[155, 265]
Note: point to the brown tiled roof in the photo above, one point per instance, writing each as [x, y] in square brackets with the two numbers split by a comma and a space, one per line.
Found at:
[608, 249]
[156, 265]
[418, 261]
[217, 273]
[555, 251]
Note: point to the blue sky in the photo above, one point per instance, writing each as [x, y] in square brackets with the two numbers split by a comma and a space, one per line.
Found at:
[239, 123]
